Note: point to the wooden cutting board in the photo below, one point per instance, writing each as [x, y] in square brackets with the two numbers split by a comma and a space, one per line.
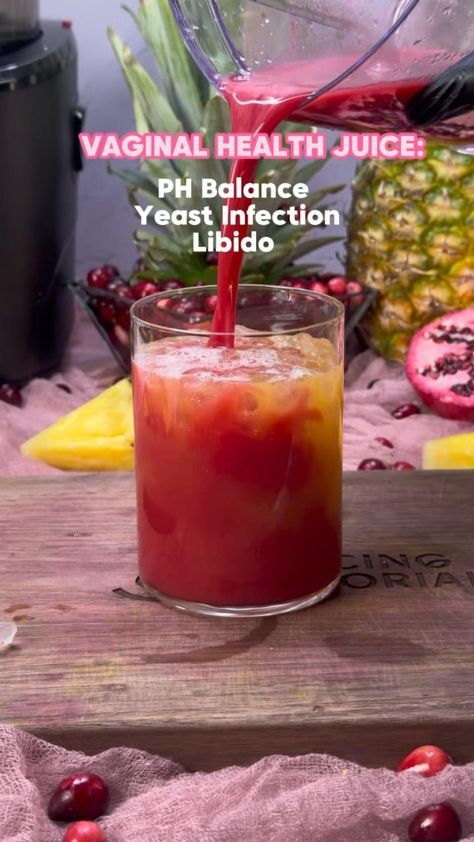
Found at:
[384, 665]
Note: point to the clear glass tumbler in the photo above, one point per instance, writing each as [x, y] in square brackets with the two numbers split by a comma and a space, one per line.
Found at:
[238, 451]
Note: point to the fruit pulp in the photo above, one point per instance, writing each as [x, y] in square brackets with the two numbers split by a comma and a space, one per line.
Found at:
[238, 455]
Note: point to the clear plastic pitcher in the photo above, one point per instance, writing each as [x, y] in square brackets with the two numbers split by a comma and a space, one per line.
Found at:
[355, 63]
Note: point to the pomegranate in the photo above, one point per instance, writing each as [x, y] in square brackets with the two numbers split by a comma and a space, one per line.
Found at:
[79, 796]
[84, 832]
[436, 823]
[405, 410]
[10, 394]
[426, 760]
[384, 442]
[440, 365]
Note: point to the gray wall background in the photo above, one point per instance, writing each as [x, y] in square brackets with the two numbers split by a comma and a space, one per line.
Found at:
[106, 221]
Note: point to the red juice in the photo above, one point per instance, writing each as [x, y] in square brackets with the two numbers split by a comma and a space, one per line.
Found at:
[238, 466]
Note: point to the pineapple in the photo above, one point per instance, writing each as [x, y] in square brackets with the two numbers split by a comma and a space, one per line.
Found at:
[452, 452]
[411, 236]
[185, 102]
[98, 436]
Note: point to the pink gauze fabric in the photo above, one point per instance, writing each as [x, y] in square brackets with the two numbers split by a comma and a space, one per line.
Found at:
[314, 798]
[366, 415]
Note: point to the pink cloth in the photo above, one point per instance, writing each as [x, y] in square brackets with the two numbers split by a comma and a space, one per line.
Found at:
[90, 368]
[314, 798]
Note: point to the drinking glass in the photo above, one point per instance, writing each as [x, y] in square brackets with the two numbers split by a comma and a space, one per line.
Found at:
[238, 451]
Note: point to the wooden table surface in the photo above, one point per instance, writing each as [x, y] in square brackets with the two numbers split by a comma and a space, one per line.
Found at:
[384, 665]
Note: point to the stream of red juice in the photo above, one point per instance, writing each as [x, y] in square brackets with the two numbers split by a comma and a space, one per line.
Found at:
[376, 107]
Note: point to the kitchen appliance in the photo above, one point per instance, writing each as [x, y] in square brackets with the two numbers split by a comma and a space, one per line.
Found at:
[39, 160]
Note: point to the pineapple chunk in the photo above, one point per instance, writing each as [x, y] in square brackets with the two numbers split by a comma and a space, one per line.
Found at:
[450, 452]
[98, 436]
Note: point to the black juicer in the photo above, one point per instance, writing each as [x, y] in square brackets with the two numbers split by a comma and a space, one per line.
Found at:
[39, 160]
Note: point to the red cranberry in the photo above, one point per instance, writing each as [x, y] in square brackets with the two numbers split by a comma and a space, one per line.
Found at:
[107, 312]
[122, 290]
[84, 832]
[371, 465]
[111, 270]
[10, 394]
[98, 278]
[144, 288]
[184, 305]
[210, 303]
[436, 823]
[403, 466]
[165, 303]
[123, 318]
[318, 286]
[337, 286]
[79, 796]
[426, 760]
[173, 283]
[384, 442]
[405, 410]
[355, 291]
[197, 316]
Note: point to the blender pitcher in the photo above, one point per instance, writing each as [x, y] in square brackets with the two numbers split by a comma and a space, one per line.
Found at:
[350, 64]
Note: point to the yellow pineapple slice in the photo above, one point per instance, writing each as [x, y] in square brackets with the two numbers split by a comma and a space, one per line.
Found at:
[450, 452]
[97, 436]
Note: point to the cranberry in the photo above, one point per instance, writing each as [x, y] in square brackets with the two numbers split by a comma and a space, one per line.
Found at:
[318, 286]
[107, 312]
[122, 290]
[144, 288]
[10, 394]
[337, 286]
[426, 760]
[197, 316]
[184, 305]
[84, 832]
[384, 442]
[210, 303]
[111, 270]
[173, 283]
[436, 823]
[405, 410]
[355, 291]
[371, 465]
[79, 796]
[403, 466]
[98, 278]
[123, 318]
[164, 303]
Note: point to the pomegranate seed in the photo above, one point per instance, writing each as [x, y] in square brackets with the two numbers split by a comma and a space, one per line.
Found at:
[79, 796]
[426, 760]
[405, 410]
[84, 832]
[10, 394]
[98, 278]
[436, 823]
[372, 383]
[197, 316]
[403, 466]
[337, 286]
[372, 465]
[318, 286]
[210, 303]
[144, 288]
[167, 286]
[107, 312]
[384, 442]
[165, 303]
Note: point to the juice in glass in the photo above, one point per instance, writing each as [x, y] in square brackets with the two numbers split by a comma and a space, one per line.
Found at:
[238, 456]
